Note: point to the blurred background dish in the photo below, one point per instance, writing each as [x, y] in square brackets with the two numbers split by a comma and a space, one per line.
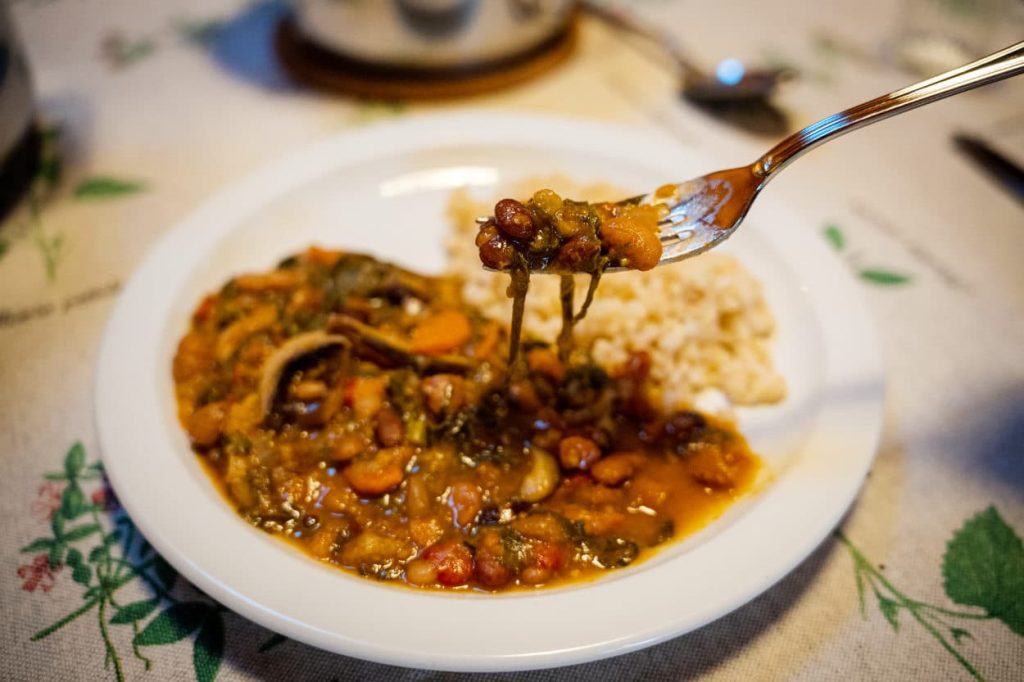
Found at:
[424, 49]
[431, 34]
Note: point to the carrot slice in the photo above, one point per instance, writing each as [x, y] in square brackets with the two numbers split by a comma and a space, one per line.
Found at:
[487, 342]
[443, 331]
[320, 256]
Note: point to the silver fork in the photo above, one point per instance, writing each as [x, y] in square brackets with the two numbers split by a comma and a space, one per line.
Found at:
[705, 211]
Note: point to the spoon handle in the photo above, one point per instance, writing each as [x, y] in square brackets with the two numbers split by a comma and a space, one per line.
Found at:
[1003, 64]
[618, 16]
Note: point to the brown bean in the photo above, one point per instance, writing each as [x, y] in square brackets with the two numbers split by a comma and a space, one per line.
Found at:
[573, 219]
[445, 394]
[685, 425]
[206, 423]
[491, 572]
[614, 469]
[550, 555]
[390, 429]
[633, 239]
[421, 572]
[425, 532]
[547, 528]
[378, 473]
[524, 395]
[630, 384]
[535, 575]
[579, 254]
[465, 501]
[453, 561]
[547, 201]
[348, 446]
[417, 497]
[577, 452]
[367, 396]
[514, 219]
[495, 250]
[370, 548]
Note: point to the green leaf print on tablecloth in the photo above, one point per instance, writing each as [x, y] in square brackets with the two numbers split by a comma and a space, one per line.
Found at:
[80, 508]
[51, 165]
[50, 244]
[882, 277]
[202, 33]
[835, 237]
[875, 275]
[983, 567]
[106, 187]
[119, 52]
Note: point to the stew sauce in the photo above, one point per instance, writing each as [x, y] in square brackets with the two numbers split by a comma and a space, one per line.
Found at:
[366, 414]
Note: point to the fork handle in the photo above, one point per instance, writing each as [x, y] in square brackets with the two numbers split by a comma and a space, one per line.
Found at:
[997, 66]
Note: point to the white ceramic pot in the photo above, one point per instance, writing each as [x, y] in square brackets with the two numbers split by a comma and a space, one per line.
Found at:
[431, 34]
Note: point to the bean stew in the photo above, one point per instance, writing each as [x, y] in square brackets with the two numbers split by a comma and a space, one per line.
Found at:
[369, 416]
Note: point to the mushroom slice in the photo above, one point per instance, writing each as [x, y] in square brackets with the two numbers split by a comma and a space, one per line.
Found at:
[292, 349]
[542, 478]
[397, 350]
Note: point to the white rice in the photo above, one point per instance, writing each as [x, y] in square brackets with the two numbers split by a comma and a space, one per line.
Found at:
[704, 321]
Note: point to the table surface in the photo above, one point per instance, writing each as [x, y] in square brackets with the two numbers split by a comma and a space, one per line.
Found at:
[155, 106]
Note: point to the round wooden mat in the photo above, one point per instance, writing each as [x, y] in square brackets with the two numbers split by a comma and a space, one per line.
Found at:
[314, 65]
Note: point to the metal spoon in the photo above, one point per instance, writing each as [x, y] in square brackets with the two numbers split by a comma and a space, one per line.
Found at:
[731, 83]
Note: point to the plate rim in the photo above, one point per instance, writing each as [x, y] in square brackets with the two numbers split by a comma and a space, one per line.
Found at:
[447, 128]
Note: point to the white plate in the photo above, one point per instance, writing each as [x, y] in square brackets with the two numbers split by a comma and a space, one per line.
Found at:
[383, 190]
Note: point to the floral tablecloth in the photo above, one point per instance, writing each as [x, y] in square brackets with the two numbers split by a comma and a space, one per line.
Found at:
[150, 107]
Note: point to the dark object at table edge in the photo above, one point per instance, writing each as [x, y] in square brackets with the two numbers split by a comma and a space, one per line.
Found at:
[1001, 169]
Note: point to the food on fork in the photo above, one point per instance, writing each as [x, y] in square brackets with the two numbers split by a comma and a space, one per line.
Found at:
[552, 234]
[561, 236]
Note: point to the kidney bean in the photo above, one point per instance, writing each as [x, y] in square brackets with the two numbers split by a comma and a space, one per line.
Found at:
[614, 469]
[452, 560]
[390, 429]
[348, 445]
[514, 219]
[465, 500]
[685, 425]
[206, 423]
[495, 250]
[445, 394]
[378, 473]
[577, 452]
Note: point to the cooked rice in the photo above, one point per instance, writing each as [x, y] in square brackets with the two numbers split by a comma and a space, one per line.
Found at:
[704, 321]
